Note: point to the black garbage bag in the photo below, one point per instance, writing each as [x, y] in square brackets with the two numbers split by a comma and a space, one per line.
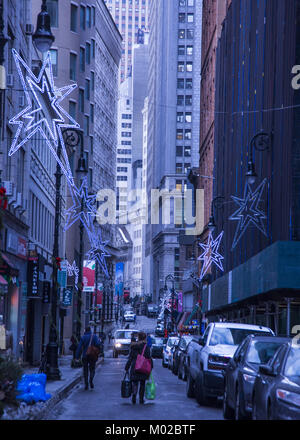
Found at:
[126, 386]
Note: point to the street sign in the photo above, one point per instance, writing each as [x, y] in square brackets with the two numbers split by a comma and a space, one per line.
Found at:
[67, 296]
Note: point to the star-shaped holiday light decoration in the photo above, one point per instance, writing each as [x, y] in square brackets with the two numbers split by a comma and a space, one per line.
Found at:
[248, 211]
[73, 270]
[41, 94]
[165, 303]
[98, 251]
[211, 254]
[83, 208]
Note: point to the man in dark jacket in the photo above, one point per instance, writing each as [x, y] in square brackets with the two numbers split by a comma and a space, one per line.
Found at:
[89, 365]
[138, 378]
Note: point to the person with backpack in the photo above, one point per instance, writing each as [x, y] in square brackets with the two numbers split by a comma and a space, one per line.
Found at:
[89, 346]
[138, 379]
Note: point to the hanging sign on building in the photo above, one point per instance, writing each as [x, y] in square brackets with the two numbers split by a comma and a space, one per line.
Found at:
[33, 278]
[67, 296]
[46, 292]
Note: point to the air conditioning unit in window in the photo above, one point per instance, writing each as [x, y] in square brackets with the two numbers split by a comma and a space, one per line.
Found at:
[8, 185]
[9, 80]
[29, 29]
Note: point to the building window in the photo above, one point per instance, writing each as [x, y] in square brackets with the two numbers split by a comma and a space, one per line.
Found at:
[92, 113]
[189, 83]
[187, 151]
[82, 59]
[188, 134]
[81, 100]
[72, 109]
[180, 83]
[93, 47]
[178, 168]
[181, 34]
[188, 100]
[180, 66]
[181, 17]
[74, 13]
[189, 67]
[53, 54]
[188, 117]
[180, 100]
[73, 61]
[88, 53]
[52, 8]
[179, 150]
[93, 16]
[179, 134]
[182, 2]
[180, 117]
[92, 81]
[86, 125]
[82, 17]
[190, 34]
[190, 2]
[89, 17]
[189, 50]
[181, 50]
[187, 166]
[190, 18]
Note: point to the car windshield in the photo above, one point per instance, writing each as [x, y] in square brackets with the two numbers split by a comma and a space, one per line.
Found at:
[260, 352]
[292, 366]
[123, 335]
[233, 336]
[171, 341]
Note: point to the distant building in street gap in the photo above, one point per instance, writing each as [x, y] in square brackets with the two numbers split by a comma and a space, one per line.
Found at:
[261, 222]
[173, 121]
[131, 18]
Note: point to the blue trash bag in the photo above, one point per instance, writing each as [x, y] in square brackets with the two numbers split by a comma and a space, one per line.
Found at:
[32, 388]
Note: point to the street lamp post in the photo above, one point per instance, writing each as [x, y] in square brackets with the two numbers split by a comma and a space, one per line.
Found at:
[171, 278]
[43, 37]
[260, 142]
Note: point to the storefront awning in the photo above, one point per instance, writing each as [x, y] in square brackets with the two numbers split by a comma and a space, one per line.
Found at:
[7, 267]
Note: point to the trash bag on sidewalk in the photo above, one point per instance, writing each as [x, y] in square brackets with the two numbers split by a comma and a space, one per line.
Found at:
[150, 388]
[32, 388]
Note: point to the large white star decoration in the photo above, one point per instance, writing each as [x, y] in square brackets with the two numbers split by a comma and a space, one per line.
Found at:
[98, 251]
[84, 205]
[73, 270]
[248, 211]
[41, 94]
[165, 303]
[211, 254]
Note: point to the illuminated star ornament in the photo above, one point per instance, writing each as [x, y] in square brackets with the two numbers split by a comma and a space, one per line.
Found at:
[98, 251]
[248, 211]
[73, 270]
[211, 254]
[41, 94]
[84, 206]
[165, 304]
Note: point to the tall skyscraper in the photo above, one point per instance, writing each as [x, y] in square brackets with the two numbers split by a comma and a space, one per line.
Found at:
[131, 18]
[173, 121]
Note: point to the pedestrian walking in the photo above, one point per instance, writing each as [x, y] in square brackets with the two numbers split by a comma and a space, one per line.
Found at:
[138, 379]
[88, 362]
[149, 341]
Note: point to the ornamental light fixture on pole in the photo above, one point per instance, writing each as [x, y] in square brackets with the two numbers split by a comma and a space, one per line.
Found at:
[43, 37]
[216, 203]
[260, 142]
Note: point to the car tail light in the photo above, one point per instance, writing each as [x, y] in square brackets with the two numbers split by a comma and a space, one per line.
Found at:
[288, 396]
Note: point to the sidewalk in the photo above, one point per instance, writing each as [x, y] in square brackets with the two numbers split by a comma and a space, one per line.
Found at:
[58, 389]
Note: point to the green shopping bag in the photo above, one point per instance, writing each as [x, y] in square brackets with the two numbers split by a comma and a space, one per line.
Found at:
[150, 388]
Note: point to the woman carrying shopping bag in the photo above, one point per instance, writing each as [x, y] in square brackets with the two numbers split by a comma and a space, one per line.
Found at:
[139, 354]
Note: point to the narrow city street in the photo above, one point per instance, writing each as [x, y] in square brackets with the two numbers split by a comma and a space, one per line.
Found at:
[105, 402]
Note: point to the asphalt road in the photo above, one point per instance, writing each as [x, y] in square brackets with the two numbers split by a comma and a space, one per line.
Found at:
[104, 402]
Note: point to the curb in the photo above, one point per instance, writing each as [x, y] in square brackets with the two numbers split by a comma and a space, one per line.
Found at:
[61, 393]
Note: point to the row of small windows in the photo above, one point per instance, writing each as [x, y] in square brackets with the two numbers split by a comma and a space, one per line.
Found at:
[182, 66]
[185, 50]
[121, 151]
[126, 125]
[126, 116]
[186, 2]
[186, 34]
[185, 100]
[126, 134]
[124, 160]
[82, 61]
[87, 17]
[185, 18]
[184, 83]
[122, 169]
[122, 178]
[125, 142]
[187, 117]
[183, 151]
[183, 134]
[182, 168]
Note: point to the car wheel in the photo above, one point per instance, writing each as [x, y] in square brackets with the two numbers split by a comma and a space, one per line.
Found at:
[184, 374]
[237, 409]
[254, 408]
[190, 387]
[199, 390]
[228, 412]
[269, 412]
[179, 372]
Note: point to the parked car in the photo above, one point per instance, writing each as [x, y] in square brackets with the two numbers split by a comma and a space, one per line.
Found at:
[159, 331]
[276, 392]
[183, 363]
[157, 347]
[167, 349]
[178, 352]
[208, 357]
[122, 340]
[171, 354]
[241, 372]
